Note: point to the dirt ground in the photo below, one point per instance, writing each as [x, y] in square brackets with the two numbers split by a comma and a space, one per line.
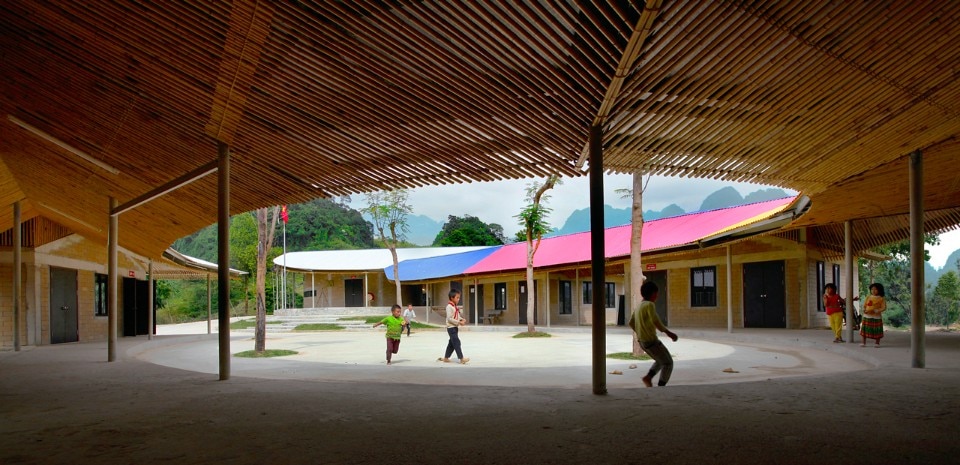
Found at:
[66, 405]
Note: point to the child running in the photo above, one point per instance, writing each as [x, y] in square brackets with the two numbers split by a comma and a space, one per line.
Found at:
[871, 327]
[394, 331]
[645, 323]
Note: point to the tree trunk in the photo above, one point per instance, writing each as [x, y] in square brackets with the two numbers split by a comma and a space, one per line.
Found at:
[266, 226]
[531, 298]
[392, 245]
[636, 268]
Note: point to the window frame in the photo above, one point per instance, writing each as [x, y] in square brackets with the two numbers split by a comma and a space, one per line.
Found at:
[499, 296]
[565, 298]
[100, 288]
[587, 289]
[703, 296]
[821, 284]
[610, 294]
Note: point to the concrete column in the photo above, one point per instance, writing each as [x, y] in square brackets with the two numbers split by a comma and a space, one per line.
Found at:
[223, 257]
[150, 303]
[848, 271]
[729, 289]
[112, 277]
[17, 265]
[917, 312]
[209, 305]
[598, 261]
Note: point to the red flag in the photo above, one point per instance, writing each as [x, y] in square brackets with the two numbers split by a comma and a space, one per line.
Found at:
[283, 214]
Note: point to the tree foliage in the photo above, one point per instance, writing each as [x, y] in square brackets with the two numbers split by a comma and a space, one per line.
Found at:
[943, 304]
[320, 224]
[895, 276]
[389, 210]
[467, 231]
[533, 220]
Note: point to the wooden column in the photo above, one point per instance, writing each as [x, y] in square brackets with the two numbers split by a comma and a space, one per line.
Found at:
[729, 289]
[848, 271]
[917, 313]
[598, 261]
[17, 265]
[150, 302]
[112, 277]
[209, 304]
[223, 257]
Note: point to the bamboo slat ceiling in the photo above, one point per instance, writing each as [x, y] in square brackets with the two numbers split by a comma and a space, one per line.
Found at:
[329, 98]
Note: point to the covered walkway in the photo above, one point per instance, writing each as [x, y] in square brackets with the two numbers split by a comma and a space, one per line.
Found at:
[64, 404]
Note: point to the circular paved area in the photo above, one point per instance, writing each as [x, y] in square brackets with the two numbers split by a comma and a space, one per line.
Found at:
[496, 358]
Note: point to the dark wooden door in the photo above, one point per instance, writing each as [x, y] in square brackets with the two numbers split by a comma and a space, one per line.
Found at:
[475, 307]
[522, 297]
[136, 304]
[660, 277]
[63, 306]
[764, 295]
[353, 293]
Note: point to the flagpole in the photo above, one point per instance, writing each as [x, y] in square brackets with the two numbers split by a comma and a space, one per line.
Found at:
[284, 265]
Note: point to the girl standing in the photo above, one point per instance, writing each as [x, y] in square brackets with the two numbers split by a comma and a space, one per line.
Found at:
[872, 325]
[831, 302]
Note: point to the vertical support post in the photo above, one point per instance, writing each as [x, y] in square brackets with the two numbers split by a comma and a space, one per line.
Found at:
[313, 289]
[917, 312]
[729, 289]
[848, 272]
[366, 291]
[17, 265]
[598, 261]
[209, 304]
[150, 302]
[476, 303]
[547, 298]
[112, 276]
[223, 257]
[575, 295]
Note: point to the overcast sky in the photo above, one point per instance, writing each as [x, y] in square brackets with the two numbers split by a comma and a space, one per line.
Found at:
[498, 202]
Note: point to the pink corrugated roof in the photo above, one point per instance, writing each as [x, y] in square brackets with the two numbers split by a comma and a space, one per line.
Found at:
[657, 234]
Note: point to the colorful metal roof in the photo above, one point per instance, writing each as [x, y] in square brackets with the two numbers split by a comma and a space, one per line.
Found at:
[421, 269]
[658, 234]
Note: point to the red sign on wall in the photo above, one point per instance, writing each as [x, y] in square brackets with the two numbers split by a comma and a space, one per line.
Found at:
[651, 266]
[132, 274]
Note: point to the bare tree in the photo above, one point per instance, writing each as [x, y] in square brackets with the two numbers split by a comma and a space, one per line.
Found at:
[389, 210]
[533, 218]
[266, 227]
[636, 233]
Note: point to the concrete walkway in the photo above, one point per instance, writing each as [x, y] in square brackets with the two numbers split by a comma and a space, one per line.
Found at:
[799, 399]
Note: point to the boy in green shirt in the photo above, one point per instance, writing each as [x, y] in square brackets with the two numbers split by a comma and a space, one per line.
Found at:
[645, 323]
[394, 330]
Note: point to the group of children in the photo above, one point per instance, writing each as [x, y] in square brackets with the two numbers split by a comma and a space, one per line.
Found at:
[871, 326]
[395, 324]
[645, 323]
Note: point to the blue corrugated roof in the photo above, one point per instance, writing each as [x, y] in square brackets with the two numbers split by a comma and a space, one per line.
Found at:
[420, 269]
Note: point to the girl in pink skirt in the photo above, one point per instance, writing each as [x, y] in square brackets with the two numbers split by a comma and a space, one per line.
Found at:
[872, 325]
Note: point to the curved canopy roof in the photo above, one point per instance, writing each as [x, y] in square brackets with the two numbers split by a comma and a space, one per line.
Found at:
[316, 98]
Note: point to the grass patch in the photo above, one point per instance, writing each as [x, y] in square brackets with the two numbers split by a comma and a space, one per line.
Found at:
[366, 319]
[265, 353]
[419, 325]
[246, 324]
[526, 334]
[318, 327]
[628, 356]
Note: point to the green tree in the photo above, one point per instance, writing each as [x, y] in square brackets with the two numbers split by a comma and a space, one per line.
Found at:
[895, 276]
[266, 223]
[468, 231]
[389, 210]
[942, 306]
[533, 220]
